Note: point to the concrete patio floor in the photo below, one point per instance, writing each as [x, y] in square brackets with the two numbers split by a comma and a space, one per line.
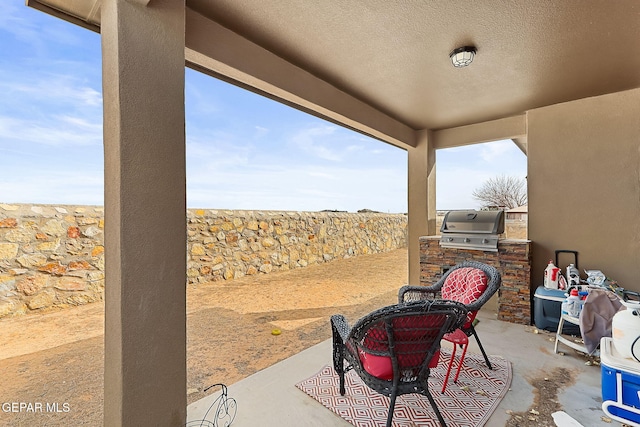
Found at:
[270, 398]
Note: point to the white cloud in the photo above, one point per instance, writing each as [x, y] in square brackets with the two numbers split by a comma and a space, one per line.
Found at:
[260, 132]
[14, 23]
[312, 140]
[34, 28]
[493, 151]
[61, 132]
[354, 148]
[58, 89]
[208, 160]
[323, 175]
[329, 142]
[81, 123]
[48, 183]
[199, 101]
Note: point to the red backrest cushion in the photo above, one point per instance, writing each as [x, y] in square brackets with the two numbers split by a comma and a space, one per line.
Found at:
[413, 336]
[464, 285]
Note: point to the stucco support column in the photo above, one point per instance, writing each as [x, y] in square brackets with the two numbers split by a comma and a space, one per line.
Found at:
[145, 213]
[422, 198]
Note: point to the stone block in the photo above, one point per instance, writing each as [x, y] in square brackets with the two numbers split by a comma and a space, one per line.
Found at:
[91, 231]
[7, 307]
[29, 261]
[268, 242]
[49, 246]
[228, 274]
[54, 227]
[42, 300]
[54, 268]
[8, 223]
[197, 249]
[70, 284]
[32, 285]
[73, 232]
[97, 250]
[79, 265]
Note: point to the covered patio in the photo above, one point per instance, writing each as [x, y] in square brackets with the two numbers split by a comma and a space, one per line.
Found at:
[581, 400]
[561, 79]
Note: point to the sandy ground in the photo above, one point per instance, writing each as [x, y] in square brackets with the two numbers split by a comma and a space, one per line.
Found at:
[57, 358]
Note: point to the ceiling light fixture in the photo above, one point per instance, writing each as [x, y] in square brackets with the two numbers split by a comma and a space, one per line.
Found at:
[462, 56]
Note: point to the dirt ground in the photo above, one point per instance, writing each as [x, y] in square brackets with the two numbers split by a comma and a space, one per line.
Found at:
[57, 358]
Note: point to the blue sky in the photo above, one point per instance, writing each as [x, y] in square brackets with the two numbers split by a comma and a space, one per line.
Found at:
[243, 151]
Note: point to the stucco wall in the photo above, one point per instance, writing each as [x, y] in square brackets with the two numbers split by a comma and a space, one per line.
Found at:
[54, 255]
[584, 185]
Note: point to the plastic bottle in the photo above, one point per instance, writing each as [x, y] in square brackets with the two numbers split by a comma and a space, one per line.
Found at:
[583, 298]
[573, 303]
[551, 276]
[573, 275]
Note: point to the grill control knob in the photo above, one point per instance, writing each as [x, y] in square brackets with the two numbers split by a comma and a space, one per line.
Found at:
[485, 240]
[450, 239]
[467, 240]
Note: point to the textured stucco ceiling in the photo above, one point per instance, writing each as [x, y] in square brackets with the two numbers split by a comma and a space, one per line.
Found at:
[393, 55]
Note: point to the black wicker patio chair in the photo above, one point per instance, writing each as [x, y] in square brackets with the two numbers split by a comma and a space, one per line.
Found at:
[462, 283]
[393, 349]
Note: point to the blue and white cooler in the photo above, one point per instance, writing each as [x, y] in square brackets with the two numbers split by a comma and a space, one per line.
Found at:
[547, 309]
[620, 384]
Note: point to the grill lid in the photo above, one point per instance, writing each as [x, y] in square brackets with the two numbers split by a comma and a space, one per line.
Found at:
[471, 229]
[486, 222]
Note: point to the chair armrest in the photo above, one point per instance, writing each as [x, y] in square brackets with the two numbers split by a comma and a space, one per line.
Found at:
[417, 293]
[340, 325]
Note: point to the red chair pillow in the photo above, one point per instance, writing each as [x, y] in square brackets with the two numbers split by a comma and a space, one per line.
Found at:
[464, 285]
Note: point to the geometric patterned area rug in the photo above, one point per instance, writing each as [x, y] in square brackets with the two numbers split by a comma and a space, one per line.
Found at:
[467, 403]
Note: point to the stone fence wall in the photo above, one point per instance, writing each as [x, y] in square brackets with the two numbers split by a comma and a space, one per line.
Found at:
[53, 256]
[231, 244]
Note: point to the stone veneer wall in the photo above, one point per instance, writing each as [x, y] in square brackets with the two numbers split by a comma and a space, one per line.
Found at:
[513, 260]
[53, 256]
[230, 244]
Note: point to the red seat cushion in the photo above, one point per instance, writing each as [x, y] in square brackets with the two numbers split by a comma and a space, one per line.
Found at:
[380, 366]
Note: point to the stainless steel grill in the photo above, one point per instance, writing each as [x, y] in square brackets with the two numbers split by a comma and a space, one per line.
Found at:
[478, 230]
